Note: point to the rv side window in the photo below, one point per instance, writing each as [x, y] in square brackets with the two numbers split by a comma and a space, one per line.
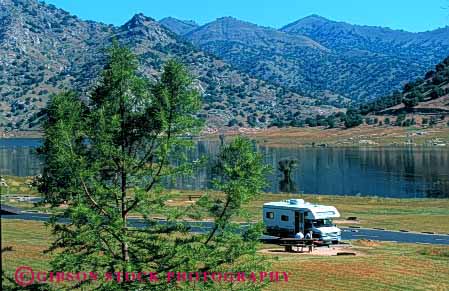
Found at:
[284, 217]
[270, 215]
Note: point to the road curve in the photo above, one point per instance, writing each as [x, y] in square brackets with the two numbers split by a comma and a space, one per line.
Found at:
[347, 233]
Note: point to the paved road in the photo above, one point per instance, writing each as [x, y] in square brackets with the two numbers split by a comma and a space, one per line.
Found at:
[347, 233]
[384, 235]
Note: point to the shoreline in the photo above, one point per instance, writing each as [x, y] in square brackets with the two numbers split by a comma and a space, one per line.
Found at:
[359, 137]
[25, 180]
[412, 214]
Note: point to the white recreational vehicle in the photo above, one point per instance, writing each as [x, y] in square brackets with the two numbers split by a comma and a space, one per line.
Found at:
[286, 218]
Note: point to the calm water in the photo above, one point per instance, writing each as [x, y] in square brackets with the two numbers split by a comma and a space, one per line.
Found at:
[388, 172]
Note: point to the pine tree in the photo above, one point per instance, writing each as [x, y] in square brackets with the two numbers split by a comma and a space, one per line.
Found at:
[107, 159]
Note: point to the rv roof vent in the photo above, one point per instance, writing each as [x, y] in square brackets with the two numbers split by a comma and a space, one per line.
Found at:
[296, 201]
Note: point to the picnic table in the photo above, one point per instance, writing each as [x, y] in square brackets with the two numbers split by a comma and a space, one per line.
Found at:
[194, 196]
[289, 243]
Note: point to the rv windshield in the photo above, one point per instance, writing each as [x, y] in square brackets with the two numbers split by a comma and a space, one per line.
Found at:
[322, 222]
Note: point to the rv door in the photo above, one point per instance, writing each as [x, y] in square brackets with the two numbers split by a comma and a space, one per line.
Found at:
[299, 221]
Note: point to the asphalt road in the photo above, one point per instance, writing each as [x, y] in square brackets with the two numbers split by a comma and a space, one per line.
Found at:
[397, 236]
[347, 233]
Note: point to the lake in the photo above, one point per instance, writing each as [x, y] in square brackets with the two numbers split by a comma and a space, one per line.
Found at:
[412, 172]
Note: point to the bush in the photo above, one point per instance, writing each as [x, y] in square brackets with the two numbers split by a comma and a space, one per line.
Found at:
[433, 120]
[311, 122]
[412, 99]
[353, 118]
[331, 121]
[400, 119]
[298, 123]
[233, 122]
[435, 251]
[436, 93]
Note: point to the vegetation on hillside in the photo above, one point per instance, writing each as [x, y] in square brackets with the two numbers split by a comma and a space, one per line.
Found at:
[322, 58]
[45, 50]
[434, 85]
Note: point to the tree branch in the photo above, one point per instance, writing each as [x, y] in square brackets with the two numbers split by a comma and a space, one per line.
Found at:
[92, 200]
[161, 164]
[211, 234]
[109, 247]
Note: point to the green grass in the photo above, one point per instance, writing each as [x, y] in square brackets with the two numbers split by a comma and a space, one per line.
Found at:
[379, 266]
[18, 186]
[28, 240]
[393, 214]
[382, 266]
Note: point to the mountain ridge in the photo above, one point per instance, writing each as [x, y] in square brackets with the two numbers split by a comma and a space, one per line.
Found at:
[233, 27]
[359, 62]
[314, 18]
[178, 26]
[46, 50]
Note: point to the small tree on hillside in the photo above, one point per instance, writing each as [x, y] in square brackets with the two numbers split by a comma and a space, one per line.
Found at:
[436, 92]
[412, 99]
[353, 118]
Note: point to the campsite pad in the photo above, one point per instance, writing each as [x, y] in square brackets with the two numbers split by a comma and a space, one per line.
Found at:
[324, 251]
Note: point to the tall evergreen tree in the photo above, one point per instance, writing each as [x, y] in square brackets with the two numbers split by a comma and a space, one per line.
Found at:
[107, 159]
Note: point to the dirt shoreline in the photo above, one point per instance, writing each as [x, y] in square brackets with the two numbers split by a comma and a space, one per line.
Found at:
[21, 134]
[362, 136]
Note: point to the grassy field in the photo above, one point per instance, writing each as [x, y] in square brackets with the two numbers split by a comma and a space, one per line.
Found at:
[28, 240]
[393, 214]
[379, 266]
[359, 136]
[378, 135]
[18, 185]
[388, 213]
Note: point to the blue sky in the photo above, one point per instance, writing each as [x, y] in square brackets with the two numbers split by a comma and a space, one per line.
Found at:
[411, 15]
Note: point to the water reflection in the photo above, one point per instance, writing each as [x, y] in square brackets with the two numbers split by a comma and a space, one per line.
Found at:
[287, 183]
[388, 172]
[19, 161]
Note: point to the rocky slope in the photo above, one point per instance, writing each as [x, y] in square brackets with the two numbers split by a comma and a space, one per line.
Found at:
[427, 96]
[179, 26]
[44, 50]
[323, 58]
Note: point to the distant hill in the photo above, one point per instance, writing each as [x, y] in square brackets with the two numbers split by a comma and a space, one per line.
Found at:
[234, 30]
[341, 36]
[178, 26]
[428, 95]
[45, 50]
[323, 58]
[249, 75]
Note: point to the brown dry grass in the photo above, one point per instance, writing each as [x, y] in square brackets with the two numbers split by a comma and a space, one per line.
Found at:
[28, 240]
[386, 266]
[383, 266]
[380, 135]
